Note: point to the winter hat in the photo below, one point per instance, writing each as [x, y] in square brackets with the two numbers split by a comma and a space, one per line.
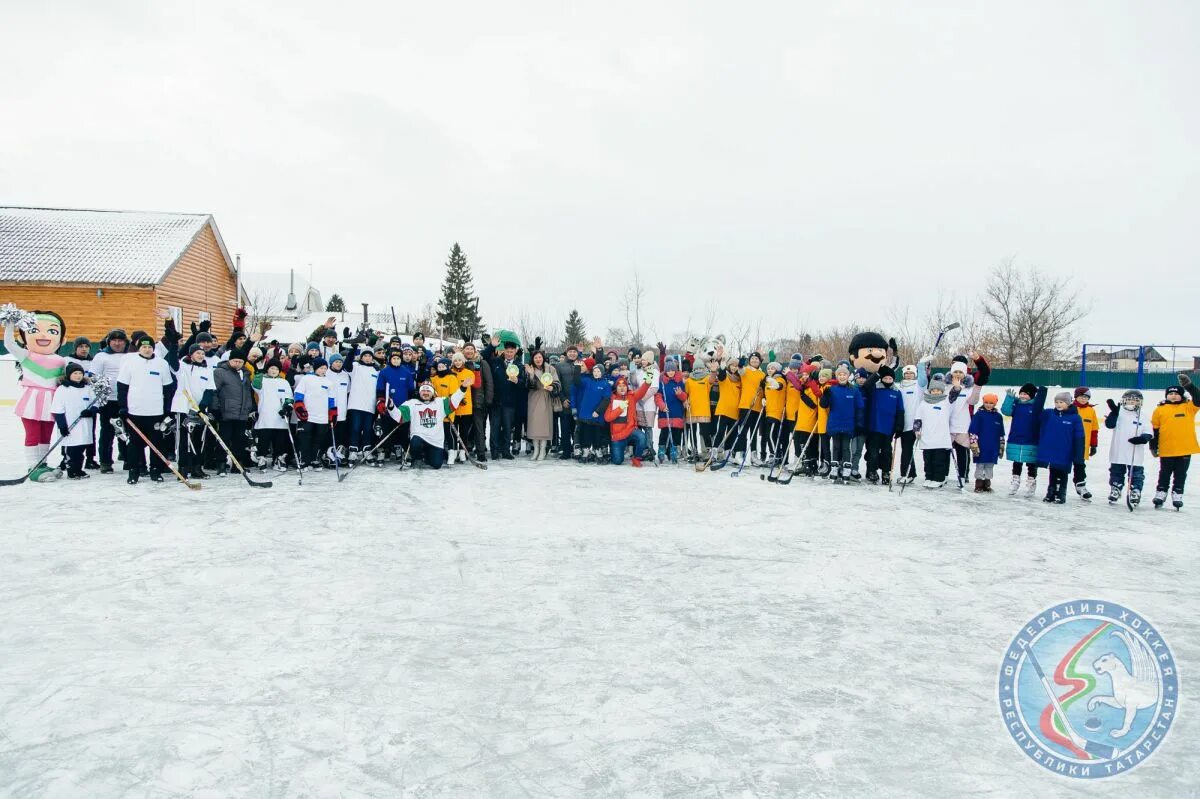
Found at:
[596, 365]
[635, 352]
[205, 338]
[312, 345]
[406, 347]
[254, 354]
[936, 383]
[366, 354]
[1174, 390]
[621, 381]
[458, 360]
[796, 363]
[441, 364]
[992, 398]
[317, 363]
[337, 356]
[816, 358]
[732, 362]
[425, 385]
[82, 341]
[329, 331]
[825, 374]
[1083, 391]
[863, 373]
[117, 334]
[960, 359]
[842, 367]
[958, 366]
[613, 368]
[886, 371]
[671, 364]
[192, 350]
[70, 369]
[278, 364]
[1028, 388]
[776, 365]
[1132, 395]
[909, 369]
[699, 371]
[1064, 396]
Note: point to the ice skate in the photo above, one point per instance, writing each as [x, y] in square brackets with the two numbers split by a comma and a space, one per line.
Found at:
[1160, 498]
[1114, 494]
[279, 465]
[1135, 497]
[1082, 490]
[1015, 487]
[872, 477]
[1030, 486]
[1177, 500]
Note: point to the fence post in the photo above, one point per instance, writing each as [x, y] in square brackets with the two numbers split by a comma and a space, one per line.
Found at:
[1083, 367]
[1141, 378]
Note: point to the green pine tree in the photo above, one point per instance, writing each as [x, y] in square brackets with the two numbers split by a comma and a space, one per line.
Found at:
[336, 304]
[574, 331]
[457, 311]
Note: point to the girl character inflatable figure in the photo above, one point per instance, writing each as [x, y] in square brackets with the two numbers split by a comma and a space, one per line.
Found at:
[38, 335]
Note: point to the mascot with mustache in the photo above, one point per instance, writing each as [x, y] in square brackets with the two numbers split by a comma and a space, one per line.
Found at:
[870, 351]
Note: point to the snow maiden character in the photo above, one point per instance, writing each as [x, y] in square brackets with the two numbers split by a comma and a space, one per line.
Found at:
[38, 335]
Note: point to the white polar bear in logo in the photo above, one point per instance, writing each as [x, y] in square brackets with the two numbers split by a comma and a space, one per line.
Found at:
[1130, 692]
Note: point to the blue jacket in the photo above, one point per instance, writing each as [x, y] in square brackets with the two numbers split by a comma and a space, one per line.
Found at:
[1026, 417]
[588, 397]
[674, 404]
[846, 409]
[397, 382]
[885, 411]
[1061, 440]
[987, 430]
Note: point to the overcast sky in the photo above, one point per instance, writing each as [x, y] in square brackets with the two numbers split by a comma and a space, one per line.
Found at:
[810, 163]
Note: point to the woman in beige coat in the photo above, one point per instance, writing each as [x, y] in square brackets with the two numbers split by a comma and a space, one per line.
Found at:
[543, 384]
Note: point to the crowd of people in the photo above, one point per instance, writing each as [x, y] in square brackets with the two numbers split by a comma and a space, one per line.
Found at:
[344, 400]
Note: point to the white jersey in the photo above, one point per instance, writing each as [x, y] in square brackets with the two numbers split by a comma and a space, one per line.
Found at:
[340, 386]
[426, 418]
[271, 397]
[363, 383]
[146, 378]
[108, 365]
[71, 401]
[196, 380]
[960, 415]
[646, 405]
[935, 423]
[316, 392]
[912, 395]
[1129, 425]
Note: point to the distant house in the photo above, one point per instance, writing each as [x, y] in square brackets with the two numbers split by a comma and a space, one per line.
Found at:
[273, 297]
[106, 269]
[1126, 360]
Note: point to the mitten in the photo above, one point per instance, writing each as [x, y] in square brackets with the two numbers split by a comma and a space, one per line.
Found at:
[333, 415]
[195, 329]
[1112, 406]
[1092, 451]
[1184, 380]
[206, 326]
[61, 423]
[345, 332]
[239, 318]
[285, 409]
[380, 406]
[301, 411]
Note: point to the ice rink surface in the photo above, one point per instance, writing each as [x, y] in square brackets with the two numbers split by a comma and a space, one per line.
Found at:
[554, 630]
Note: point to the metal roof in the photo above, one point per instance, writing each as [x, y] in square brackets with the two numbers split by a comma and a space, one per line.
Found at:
[65, 245]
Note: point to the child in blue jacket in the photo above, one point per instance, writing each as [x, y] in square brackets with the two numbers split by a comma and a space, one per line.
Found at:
[1060, 444]
[589, 400]
[987, 441]
[885, 421]
[1024, 407]
[846, 417]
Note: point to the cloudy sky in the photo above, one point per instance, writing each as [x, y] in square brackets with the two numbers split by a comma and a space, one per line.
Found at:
[806, 163]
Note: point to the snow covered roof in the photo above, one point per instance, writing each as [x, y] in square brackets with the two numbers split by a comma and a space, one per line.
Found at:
[298, 330]
[65, 245]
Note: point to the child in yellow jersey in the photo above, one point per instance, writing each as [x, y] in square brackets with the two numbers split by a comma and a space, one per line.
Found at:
[445, 383]
[824, 378]
[699, 412]
[803, 405]
[463, 418]
[729, 383]
[1174, 442]
[1091, 438]
[750, 405]
[771, 442]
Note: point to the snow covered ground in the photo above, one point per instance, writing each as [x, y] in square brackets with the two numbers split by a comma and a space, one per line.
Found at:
[550, 630]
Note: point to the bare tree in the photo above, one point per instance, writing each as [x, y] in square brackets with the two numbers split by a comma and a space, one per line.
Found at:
[260, 309]
[1032, 317]
[635, 294]
[530, 326]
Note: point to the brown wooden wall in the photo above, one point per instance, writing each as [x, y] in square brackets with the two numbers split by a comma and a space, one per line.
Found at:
[201, 281]
[128, 307]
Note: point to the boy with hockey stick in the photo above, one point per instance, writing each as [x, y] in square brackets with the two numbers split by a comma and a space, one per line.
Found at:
[885, 421]
[194, 376]
[144, 389]
[1060, 444]
[360, 404]
[73, 401]
[397, 384]
[1132, 432]
[275, 402]
[931, 425]
[987, 442]
[315, 408]
[1174, 443]
[670, 400]
[1091, 437]
[846, 409]
[912, 394]
[426, 417]
[82, 355]
[339, 380]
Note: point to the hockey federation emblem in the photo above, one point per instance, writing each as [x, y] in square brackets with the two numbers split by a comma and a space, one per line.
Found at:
[1088, 689]
[427, 417]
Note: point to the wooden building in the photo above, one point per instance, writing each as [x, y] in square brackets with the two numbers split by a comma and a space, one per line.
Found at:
[106, 269]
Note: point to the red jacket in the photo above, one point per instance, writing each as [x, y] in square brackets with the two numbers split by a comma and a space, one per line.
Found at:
[622, 422]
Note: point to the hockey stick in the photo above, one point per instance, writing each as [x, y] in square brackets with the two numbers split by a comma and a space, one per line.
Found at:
[470, 458]
[737, 431]
[749, 443]
[337, 460]
[295, 454]
[174, 469]
[800, 462]
[367, 455]
[208, 423]
[1091, 747]
[44, 458]
[943, 332]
